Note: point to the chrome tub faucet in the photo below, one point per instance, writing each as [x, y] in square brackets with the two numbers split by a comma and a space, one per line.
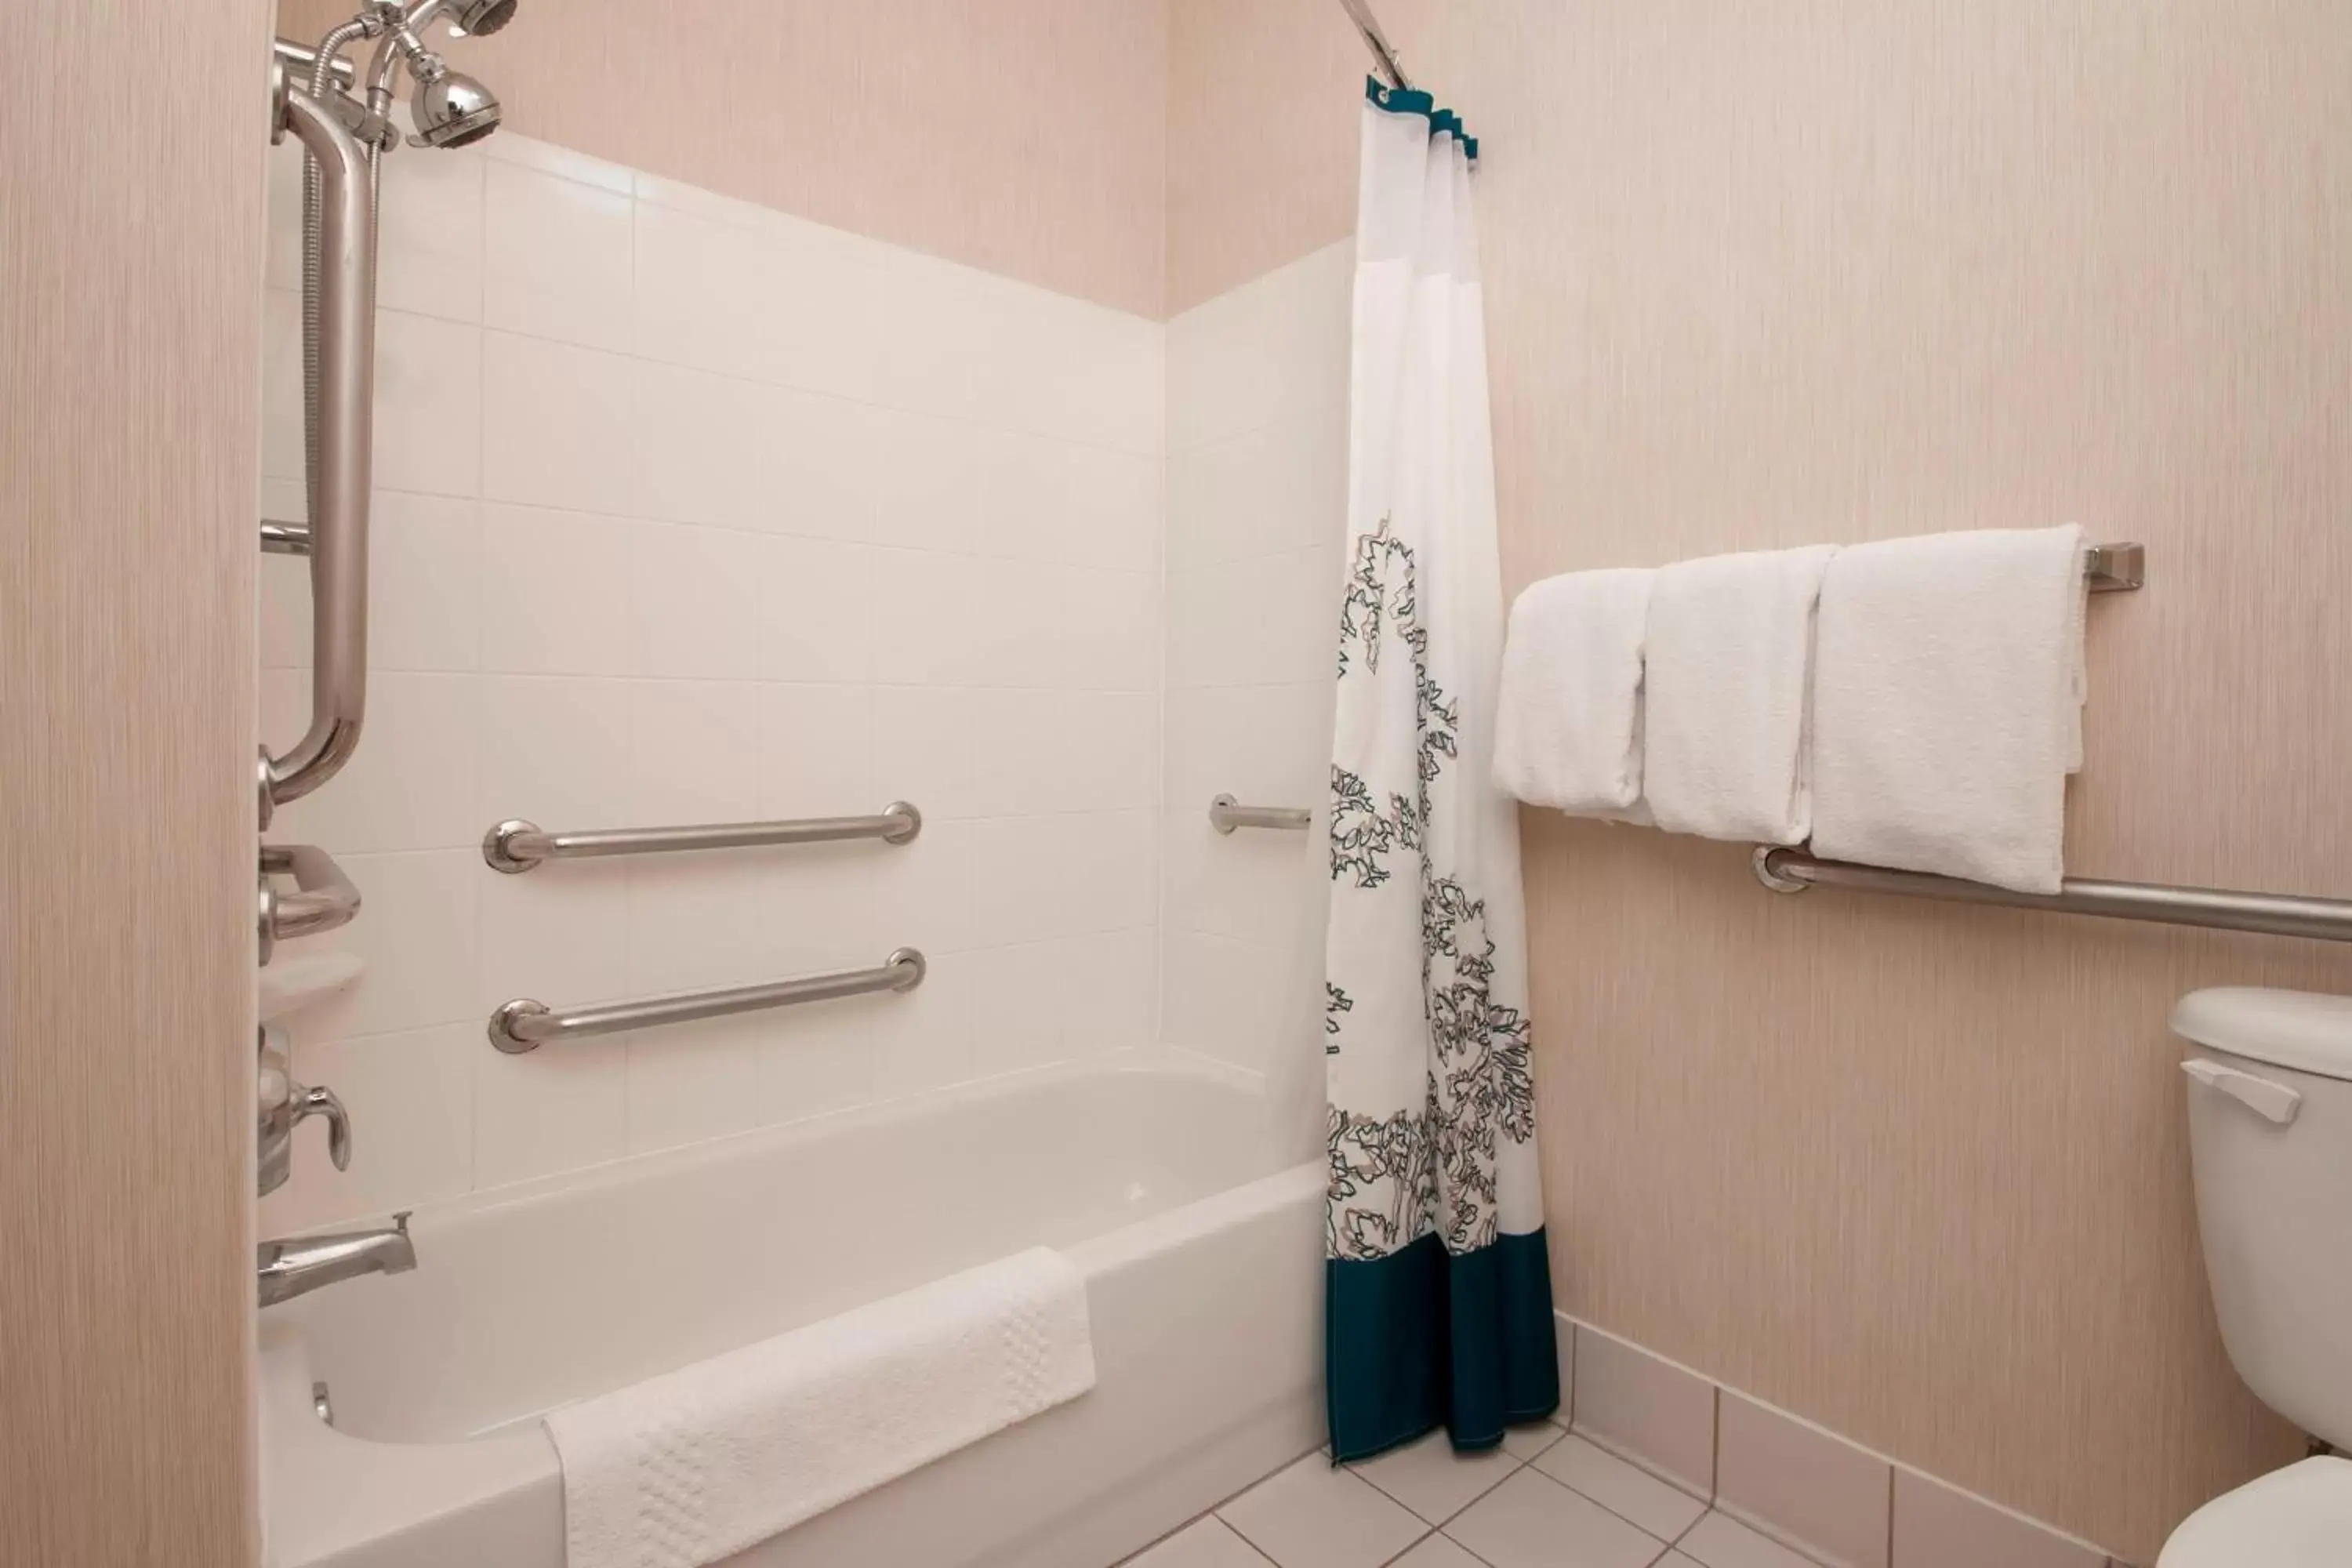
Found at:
[298, 1265]
[302, 1264]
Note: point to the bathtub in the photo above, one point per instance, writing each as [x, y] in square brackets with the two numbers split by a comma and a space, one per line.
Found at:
[1152, 1170]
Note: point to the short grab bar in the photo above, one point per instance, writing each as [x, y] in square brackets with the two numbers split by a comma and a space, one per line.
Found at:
[524, 1026]
[516, 845]
[1786, 870]
[1225, 814]
[327, 899]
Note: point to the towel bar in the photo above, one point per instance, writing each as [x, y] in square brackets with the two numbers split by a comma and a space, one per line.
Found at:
[515, 846]
[1225, 814]
[1786, 870]
[523, 1025]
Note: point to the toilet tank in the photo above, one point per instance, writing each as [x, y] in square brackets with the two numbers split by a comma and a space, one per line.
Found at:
[2270, 1133]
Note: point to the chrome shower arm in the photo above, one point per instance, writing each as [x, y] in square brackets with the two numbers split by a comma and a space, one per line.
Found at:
[338, 523]
[401, 42]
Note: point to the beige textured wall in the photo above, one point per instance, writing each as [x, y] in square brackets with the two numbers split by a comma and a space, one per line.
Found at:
[1025, 137]
[1842, 269]
[131, 256]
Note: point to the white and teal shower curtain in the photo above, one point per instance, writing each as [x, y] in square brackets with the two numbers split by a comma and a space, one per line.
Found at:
[1438, 1296]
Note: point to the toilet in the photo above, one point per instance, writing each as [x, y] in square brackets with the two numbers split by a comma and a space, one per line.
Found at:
[2270, 1133]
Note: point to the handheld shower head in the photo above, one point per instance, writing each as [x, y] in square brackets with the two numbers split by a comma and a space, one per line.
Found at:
[480, 18]
[451, 108]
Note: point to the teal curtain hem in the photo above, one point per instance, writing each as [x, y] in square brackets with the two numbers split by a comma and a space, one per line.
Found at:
[1422, 1338]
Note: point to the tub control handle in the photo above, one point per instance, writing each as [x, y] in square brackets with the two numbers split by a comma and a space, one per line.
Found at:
[2270, 1101]
[310, 1103]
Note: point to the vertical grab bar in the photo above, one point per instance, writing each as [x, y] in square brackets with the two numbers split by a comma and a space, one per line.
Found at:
[339, 533]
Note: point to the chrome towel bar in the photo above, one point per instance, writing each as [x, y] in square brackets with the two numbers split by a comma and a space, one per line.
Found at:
[2271, 914]
[516, 845]
[524, 1026]
[1225, 814]
[327, 899]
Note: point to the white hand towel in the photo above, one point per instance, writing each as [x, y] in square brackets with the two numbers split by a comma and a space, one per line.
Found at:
[1724, 700]
[1947, 704]
[1568, 720]
[701, 1463]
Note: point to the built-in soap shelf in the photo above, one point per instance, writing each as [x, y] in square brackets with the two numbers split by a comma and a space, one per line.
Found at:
[291, 985]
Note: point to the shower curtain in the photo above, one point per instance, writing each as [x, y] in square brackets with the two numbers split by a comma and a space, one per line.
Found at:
[1438, 1296]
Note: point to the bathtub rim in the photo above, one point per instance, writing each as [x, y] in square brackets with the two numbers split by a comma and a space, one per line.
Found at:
[1151, 1061]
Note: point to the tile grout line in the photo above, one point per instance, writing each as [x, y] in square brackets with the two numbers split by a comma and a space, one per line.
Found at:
[474, 1070]
[1484, 1492]
[1587, 1497]
[1415, 1544]
[1216, 1511]
[1465, 1550]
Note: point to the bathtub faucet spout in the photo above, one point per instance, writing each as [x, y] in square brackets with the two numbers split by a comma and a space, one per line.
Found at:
[299, 1265]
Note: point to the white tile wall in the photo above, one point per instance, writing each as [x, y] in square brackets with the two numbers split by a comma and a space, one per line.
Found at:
[1256, 513]
[690, 510]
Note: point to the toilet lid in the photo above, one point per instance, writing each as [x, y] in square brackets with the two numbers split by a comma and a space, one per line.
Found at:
[2300, 1517]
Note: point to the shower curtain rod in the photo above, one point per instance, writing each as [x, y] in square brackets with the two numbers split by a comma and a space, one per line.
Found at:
[1360, 12]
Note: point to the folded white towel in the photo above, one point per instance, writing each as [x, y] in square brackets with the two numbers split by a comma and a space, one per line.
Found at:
[1724, 710]
[701, 1463]
[1567, 719]
[1946, 704]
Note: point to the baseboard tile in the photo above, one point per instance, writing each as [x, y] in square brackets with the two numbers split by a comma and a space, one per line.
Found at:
[1619, 1433]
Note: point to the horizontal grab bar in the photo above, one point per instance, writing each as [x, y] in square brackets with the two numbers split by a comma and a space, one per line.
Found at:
[327, 899]
[285, 538]
[524, 1026]
[1225, 814]
[2270, 914]
[516, 845]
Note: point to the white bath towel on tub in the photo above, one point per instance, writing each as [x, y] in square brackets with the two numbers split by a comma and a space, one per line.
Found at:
[701, 1463]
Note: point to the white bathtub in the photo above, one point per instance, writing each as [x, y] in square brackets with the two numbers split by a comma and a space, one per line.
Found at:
[1152, 1172]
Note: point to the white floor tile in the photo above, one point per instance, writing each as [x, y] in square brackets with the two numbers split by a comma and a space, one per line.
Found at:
[1529, 1439]
[1533, 1522]
[1204, 1543]
[1312, 1516]
[1429, 1477]
[1676, 1560]
[1437, 1552]
[1626, 1490]
[1718, 1540]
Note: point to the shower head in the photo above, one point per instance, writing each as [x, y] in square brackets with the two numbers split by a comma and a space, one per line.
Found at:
[451, 108]
[480, 18]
